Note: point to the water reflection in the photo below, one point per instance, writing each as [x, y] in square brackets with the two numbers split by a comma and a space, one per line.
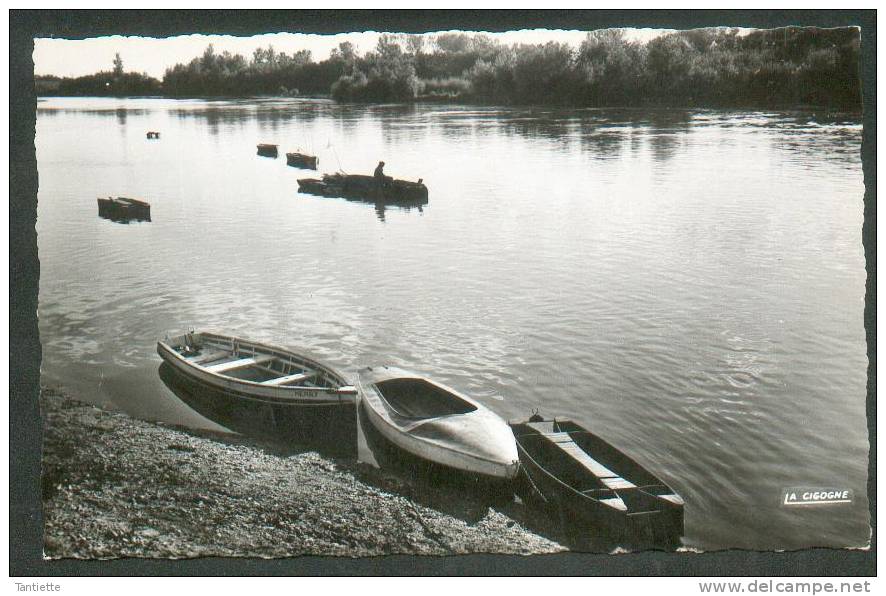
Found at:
[604, 142]
[119, 112]
[381, 207]
[122, 218]
[268, 114]
[540, 124]
[667, 130]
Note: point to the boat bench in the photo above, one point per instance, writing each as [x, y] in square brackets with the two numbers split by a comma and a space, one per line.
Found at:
[609, 478]
[209, 357]
[234, 364]
[302, 376]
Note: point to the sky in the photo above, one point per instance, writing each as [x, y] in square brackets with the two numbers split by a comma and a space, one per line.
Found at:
[72, 58]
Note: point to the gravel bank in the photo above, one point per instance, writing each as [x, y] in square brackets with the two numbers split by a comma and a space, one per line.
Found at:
[118, 487]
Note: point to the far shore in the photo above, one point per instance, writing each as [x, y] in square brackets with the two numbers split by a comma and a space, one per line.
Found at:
[825, 109]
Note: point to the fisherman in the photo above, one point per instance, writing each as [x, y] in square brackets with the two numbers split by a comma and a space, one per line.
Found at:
[380, 178]
[382, 182]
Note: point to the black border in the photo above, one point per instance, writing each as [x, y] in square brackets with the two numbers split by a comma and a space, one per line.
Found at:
[25, 527]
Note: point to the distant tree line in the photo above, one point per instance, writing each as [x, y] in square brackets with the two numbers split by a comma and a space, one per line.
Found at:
[115, 82]
[698, 68]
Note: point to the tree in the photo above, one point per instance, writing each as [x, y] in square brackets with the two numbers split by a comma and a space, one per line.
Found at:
[387, 48]
[415, 44]
[346, 52]
[118, 65]
[453, 43]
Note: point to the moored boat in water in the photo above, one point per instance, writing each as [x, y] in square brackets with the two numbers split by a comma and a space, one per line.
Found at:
[124, 209]
[266, 150]
[594, 487]
[366, 188]
[288, 392]
[302, 160]
[436, 424]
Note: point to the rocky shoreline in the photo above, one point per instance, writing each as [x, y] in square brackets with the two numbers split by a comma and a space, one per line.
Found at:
[115, 487]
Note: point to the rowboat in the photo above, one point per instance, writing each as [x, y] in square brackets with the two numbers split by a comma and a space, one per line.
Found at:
[263, 388]
[302, 160]
[436, 424]
[267, 150]
[366, 188]
[594, 486]
[124, 209]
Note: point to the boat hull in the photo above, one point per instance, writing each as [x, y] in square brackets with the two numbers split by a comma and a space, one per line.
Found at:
[593, 526]
[418, 453]
[266, 150]
[328, 429]
[646, 520]
[272, 394]
[124, 210]
[300, 160]
[392, 458]
[306, 414]
[435, 424]
[366, 188]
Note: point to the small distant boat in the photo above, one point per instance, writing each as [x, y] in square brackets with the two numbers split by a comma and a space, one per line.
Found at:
[596, 486]
[302, 160]
[124, 209]
[365, 188]
[436, 424]
[266, 150]
[152, 134]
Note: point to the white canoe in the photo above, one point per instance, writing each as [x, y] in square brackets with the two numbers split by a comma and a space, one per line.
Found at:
[252, 370]
[436, 423]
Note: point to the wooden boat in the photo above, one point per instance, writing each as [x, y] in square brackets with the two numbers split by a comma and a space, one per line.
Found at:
[331, 431]
[294, 391]
[594, 486]
[436, 424]
[124, 209]
[302, 160]
[266, 150]
[254, 370]
[366, 188]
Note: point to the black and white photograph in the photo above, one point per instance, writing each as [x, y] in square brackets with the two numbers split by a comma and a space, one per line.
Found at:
[449, 291]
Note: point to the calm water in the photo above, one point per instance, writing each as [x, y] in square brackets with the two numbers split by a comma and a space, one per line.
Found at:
[690, 285]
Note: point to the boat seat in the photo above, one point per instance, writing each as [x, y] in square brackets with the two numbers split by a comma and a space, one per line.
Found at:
[302, 376]
[672, 498]
[609, 478]
[615, 503]
[234, 364]
[209, 357]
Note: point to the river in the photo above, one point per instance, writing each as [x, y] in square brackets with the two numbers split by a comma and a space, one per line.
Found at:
[688, 284]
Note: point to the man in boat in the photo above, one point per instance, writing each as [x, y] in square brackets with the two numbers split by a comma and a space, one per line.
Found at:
[381, 181]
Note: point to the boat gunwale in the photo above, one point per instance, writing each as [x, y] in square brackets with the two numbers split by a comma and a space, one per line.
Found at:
[305, 357]
[400, 373]
[124, 201]
[477, 406]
